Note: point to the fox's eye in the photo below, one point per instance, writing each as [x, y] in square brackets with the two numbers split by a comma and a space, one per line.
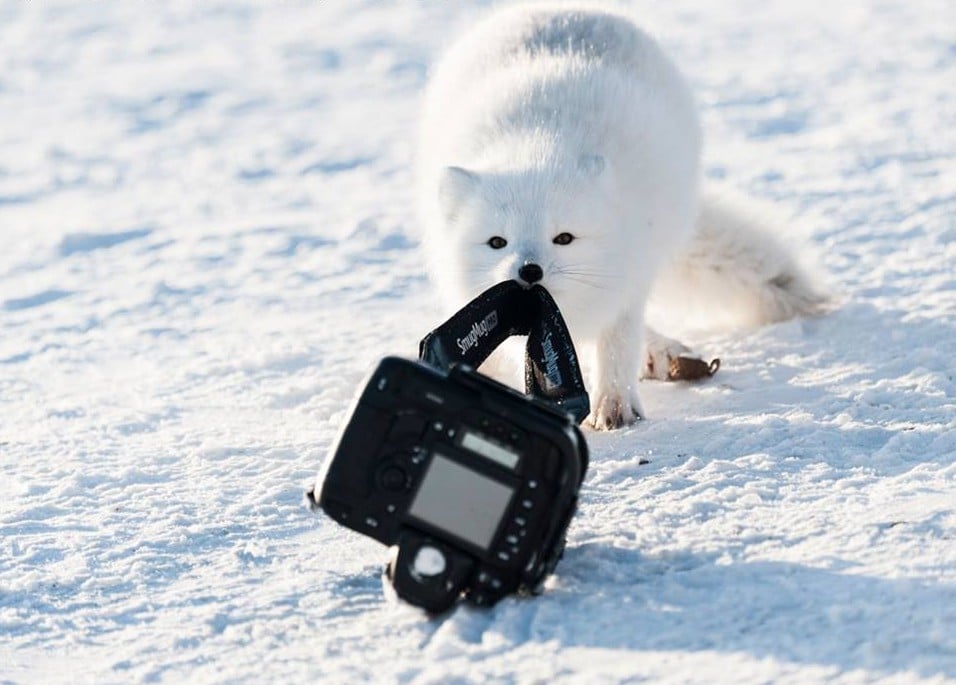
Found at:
[563, 239]
[497, 242]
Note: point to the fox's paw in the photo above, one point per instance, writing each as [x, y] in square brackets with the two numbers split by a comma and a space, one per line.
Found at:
[614, 411]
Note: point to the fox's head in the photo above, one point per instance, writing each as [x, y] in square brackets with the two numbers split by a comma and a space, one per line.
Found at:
[560, 226]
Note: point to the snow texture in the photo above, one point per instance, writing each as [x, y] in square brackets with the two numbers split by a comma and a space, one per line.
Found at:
[207, 238]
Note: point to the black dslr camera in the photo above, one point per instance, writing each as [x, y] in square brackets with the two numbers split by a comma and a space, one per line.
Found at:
[473, 483]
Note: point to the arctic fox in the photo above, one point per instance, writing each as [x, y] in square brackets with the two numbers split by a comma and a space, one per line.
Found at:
[559, 145]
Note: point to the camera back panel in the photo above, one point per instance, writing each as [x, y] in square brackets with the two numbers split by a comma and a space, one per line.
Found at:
[461, 460]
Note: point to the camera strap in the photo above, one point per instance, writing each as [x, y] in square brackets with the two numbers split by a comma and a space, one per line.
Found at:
[552, 371]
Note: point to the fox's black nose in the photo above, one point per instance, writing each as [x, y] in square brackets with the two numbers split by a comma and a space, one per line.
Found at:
[531, 273]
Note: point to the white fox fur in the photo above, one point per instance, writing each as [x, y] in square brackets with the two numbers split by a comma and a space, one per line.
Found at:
[546, 122]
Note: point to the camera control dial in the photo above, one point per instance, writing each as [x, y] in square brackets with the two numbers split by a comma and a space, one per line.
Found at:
[393, 478]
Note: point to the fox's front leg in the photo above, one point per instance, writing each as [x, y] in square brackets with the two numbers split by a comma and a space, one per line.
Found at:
[614, 400]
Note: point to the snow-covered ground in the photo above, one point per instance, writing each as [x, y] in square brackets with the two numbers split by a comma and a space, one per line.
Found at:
[207, 237]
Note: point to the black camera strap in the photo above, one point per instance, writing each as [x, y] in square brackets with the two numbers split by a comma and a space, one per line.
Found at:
[552, 371]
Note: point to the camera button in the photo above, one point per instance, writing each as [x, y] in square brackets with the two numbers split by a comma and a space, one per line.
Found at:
[521, 521]
[429, 561]
[486, 579]
[504, 556]
[527, 504]
[512, 539]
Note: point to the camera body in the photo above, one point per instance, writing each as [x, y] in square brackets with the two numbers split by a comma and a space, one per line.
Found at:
[474, 482]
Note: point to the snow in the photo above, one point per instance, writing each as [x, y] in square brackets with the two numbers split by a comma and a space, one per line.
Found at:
[207, 238]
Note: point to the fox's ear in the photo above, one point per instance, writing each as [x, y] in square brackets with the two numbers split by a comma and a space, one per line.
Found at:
[456, 186]
[591, 166]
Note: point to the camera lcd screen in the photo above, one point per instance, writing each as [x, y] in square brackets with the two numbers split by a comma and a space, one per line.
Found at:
[461, 501]
[490, 450]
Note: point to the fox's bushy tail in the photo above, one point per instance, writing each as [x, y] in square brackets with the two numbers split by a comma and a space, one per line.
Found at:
[740, 270]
